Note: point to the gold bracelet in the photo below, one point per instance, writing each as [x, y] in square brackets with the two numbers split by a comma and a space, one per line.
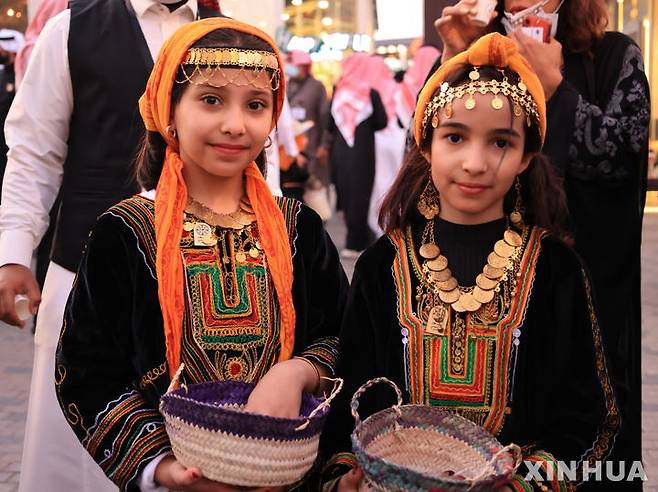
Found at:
[317, 372]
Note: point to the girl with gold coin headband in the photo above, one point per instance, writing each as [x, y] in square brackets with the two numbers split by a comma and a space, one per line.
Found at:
[210, 273]
[473, 301]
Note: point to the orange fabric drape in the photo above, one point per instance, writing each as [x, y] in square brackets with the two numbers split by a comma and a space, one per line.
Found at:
[495, 50]
[171, 194]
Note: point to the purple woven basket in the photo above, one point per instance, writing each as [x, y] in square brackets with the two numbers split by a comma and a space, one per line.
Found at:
[209, 430]
[414, 448]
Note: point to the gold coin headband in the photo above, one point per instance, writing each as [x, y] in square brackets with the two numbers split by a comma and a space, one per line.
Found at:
[518, 93]
[207, 65]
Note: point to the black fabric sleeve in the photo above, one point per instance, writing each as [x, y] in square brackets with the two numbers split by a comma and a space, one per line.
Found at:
[608, 139]
[574, 416]
[96, 384]
[324, 292]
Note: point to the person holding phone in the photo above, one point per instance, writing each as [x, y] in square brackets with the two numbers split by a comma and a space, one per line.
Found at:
[597, 139]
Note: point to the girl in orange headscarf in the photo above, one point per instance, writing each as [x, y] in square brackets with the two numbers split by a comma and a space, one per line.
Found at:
[473, 302]
[209, 270]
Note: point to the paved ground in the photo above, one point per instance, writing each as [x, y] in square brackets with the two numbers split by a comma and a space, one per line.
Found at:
[16, 364]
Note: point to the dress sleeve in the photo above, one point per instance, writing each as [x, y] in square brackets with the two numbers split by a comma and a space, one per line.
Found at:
[96, 380]
[606, 140]
[325, 292]
[583, 415]
[357, 364]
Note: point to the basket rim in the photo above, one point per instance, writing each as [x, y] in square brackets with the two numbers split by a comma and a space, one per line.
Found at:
[359, 448]
[315, 401]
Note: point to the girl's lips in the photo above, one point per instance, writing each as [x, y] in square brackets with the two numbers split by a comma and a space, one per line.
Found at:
[471, 188]
[229, 149]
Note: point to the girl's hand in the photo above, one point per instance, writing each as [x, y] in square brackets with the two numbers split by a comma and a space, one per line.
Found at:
[171, 474]
[546, 59]
[351, 481]
[455, 28]
[279, 392]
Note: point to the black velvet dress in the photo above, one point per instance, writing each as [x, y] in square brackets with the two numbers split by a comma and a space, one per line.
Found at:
[111, 368]
[533, 373]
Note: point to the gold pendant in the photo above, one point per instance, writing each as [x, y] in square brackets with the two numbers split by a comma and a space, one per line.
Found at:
[496, 103]
[202, 233]
[483, 296]
[503, 249]
[450, 296]
[512, 238]
[438, 264]
[253, 252]
[429, 251]
[496, 261]
[241, 257]
[469, 302]
[485, 283]
[188, 226]
[438, 320]
[441, 276]
[447, 285]
[492, 273]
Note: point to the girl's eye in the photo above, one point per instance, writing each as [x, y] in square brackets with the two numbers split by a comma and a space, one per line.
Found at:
[256, 105]
[501, 143]
[212, 100]
[454, 138]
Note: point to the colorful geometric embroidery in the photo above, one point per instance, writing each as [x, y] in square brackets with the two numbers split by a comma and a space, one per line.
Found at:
[481, 391]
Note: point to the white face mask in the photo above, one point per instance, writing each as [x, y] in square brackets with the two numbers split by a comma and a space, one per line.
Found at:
[511, 22]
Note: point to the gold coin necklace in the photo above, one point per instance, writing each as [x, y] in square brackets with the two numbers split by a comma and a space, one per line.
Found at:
[487, 284]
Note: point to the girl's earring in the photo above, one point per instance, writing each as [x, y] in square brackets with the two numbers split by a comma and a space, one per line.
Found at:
[516, 217]
[428, 202]
[269, 142]
[171, 131]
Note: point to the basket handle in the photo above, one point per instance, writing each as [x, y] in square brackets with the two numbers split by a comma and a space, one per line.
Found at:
[364, 387]
[338, 385]
[516, 453]
[175, 381]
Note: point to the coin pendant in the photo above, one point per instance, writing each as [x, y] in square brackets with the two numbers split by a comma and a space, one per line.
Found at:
[240, 256]
[493, 273]
[483, 296]
[438, 264]
[429, 251]
[441, 276]
[503, 249]
[458, 306]
[253, 252]
[496, 260]
[512, 238]
[449, 296]
[447, 285]
[485, 283]
[188, 226]
[469, 302]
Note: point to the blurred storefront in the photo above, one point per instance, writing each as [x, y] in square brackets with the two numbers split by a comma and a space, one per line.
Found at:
[13, 14]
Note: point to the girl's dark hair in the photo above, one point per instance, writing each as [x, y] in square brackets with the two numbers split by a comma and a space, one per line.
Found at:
[151, 152]
[542, 192]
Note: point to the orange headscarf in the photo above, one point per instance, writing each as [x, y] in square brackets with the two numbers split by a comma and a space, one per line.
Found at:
[171, 194]
[493, 50]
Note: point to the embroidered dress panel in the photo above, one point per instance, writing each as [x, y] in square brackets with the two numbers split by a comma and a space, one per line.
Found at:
[468, 368]
[232, 327]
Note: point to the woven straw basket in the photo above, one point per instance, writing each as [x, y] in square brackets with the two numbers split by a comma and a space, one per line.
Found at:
[416, 448]
[209, 430]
